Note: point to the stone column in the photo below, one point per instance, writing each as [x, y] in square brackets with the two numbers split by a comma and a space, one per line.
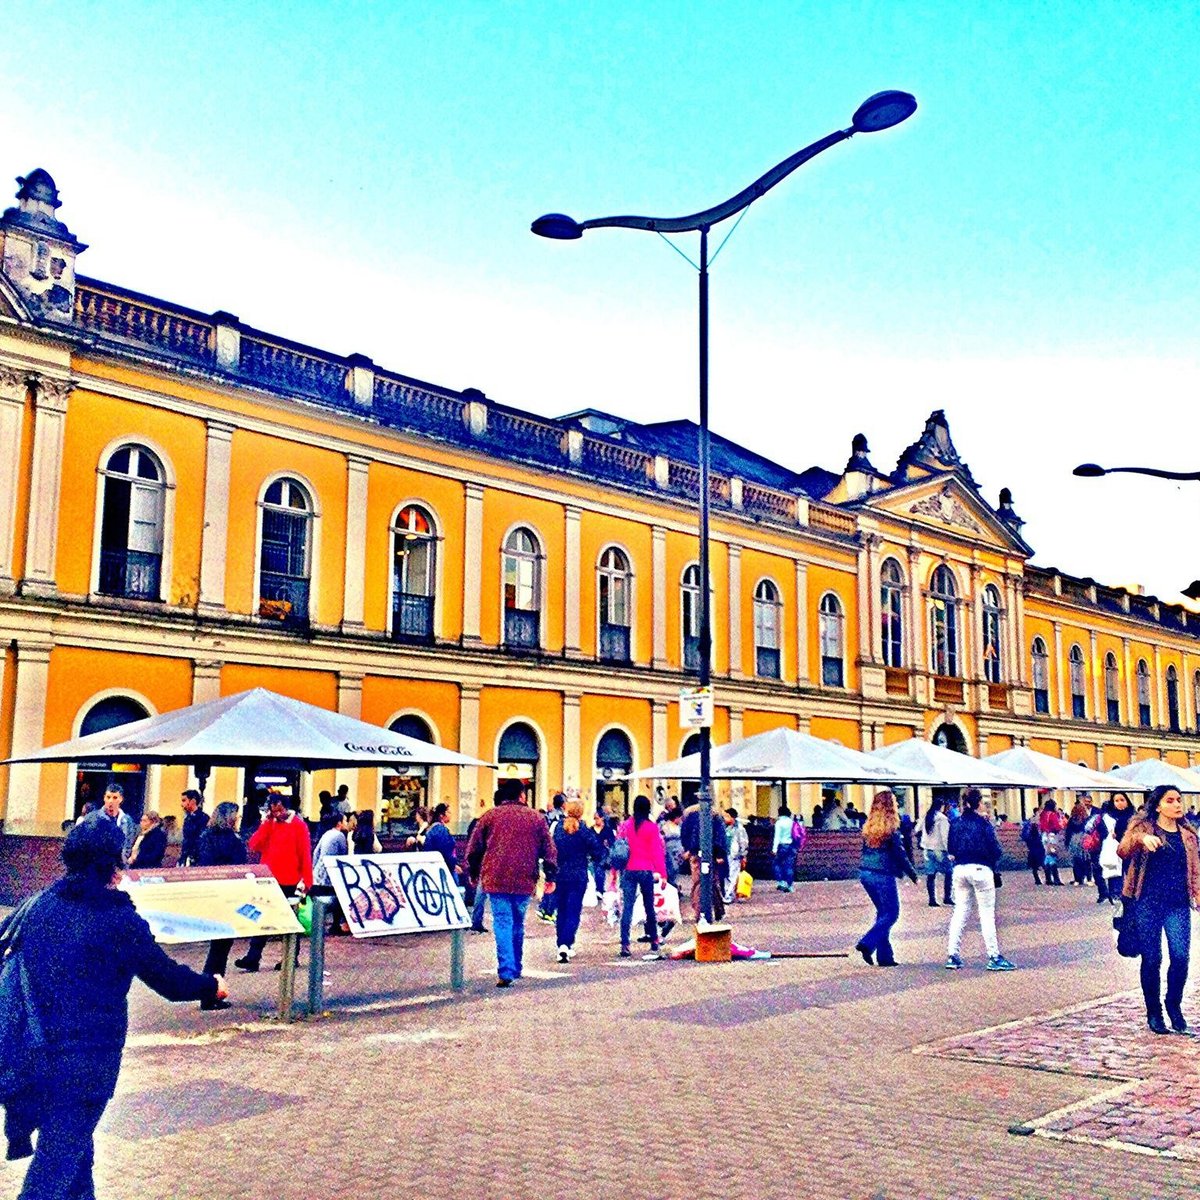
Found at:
[1188, 702]
[874, 645]
[1060, 671]
[1131, 712]
[572, 761]
[472, 569]
[658, 572]
[862, 579]
[41, 543]
[735, 612]
[916, 611]
[214, 539]
[29, 730]
[571, 588]
[1019, 634]
[1010, 634]
[13, 391]
[1097, 671]
[801, 622]
[349, 702]
[659, 748]
[354, 596]
[972, 625]
[468, 744]
[206, 681]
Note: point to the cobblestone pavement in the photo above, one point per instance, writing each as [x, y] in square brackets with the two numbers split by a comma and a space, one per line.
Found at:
[795, 1077]
[1156, 1103]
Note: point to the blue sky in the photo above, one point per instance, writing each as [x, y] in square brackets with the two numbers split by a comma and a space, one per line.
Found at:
[1022, 253]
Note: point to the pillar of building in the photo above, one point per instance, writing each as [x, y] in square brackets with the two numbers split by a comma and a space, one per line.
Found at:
[1131, 712]
[571, 582]
[1096, 669]
[1060, 695]
[468, 744]
[1159, 717]
[658, 606]
[659, 749]
[572, 751]
[735, 611]
[49, 428]
[214, 537]
[349, 702]
[13, 392]
[28, 736]
[354, 594]
[802, 622]
[472, 558]
[915, 618]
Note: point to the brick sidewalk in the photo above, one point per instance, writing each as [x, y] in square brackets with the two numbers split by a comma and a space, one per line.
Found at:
[790, 1078]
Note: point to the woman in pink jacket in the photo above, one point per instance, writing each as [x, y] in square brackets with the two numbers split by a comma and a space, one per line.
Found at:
[647, 862]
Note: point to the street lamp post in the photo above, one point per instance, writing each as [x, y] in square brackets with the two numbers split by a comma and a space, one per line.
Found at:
[1094, 471]
[878, 112]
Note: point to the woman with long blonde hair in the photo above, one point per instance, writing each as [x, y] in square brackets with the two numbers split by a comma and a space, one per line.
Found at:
[576, 846]
[883, 861]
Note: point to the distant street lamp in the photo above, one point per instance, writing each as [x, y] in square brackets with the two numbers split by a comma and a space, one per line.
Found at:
[1094, 471]
[878, 112]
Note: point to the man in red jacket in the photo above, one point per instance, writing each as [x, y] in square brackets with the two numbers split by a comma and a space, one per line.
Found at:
[506, 845]
[283, 844]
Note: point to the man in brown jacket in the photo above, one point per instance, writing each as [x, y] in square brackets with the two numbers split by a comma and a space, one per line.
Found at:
[506, 846]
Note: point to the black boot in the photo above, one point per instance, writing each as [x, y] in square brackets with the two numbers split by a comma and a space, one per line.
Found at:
[1156, 1022]
[929, 882]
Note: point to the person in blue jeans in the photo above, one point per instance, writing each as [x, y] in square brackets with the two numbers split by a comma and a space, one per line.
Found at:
[883, 861]
[507, 847]
[784, 850]
[1162, 885]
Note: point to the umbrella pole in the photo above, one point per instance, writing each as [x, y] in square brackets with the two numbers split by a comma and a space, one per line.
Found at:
[202, 772]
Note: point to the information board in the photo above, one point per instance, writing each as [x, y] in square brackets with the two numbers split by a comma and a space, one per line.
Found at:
[198, 904]
[397, 893]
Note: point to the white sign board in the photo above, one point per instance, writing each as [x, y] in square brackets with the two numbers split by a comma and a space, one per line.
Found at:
[696, 709]
[397, 893]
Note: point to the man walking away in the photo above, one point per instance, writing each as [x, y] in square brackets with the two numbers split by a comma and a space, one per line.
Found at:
[195, 822]
[507, 846]
[689, 839]
[283, 845]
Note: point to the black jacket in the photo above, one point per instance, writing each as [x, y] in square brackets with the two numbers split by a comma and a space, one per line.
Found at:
[888, 859]
[575, 851]
[973, 841]
[689, 833]
[220, 848]
[194, 826]
[152, 849]
[83, 945]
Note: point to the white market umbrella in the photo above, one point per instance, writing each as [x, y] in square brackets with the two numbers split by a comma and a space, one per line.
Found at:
[249, 728]
[1055, 774]
[920, 762]
[1153, 772]
[780, 754]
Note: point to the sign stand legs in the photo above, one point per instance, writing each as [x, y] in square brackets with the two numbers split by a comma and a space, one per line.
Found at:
[287, 977]
[458, 943]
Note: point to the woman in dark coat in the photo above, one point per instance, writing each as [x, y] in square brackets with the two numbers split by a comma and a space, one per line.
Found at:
[220, 846]
[883, 861]
[577, 847]
[82, 944]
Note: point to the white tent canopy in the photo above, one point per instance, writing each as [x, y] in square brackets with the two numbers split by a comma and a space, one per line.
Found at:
[1055, 774]
[921, 762]
[253, 727]
[1152, 772]
[780, 754]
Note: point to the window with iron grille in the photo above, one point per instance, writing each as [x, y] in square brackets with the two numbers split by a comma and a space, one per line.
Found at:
[831, 619]
[1112, 688]
[767, 610]
[414, 574]
[614, 586]
[131, 525]
[285, 552]
[1041, 676]
[891, 610]
[522, 589]
[992, 670]
[689, 601]
[1173, 699]
[943, 623]
[1143, 693]
[1078, 683]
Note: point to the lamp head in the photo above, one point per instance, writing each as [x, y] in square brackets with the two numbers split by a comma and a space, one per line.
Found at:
[558, 226]
[882, 111]
[1192, 591]
[1089, 471]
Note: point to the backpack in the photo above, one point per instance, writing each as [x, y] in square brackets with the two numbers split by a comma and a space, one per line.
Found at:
[1093, 834]
[1029, 832]
[799, 835]
[618, 854]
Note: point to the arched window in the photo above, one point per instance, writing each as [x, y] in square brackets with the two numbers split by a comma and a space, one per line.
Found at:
[832, 634]
[1173, 699]
[1143, 690]
[614, 759]
[943, 623]
[92, 778]
[131, 525]
[1078, 683]
[518, 755]
[1041, 676]
[1196, 697]
[891, 612]
[689, 602]
[285, 554]
[414, 578]
[522, 590]
[614, 588]
[766, 630]
[991, 634]
[1112, 688]
[405, 789]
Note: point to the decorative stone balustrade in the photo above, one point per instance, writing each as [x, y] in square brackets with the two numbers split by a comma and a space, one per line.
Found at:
[133, 320]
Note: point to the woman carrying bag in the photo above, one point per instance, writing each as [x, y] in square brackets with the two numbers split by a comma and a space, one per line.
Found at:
[1162, 884]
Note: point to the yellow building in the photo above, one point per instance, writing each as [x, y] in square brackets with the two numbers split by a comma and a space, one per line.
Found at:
[190, 507]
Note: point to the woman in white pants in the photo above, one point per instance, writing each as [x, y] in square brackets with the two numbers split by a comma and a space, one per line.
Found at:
[975, 852]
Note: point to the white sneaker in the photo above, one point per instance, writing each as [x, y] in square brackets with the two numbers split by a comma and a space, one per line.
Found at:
[570, 952]
[564, 954]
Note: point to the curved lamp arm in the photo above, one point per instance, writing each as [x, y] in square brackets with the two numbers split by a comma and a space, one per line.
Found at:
[1092, 471]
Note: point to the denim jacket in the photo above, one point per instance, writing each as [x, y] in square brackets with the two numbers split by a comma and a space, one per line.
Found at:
[888, 859]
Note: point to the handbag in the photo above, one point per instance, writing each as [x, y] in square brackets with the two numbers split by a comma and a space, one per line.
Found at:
[618, 854]
[1129, 942]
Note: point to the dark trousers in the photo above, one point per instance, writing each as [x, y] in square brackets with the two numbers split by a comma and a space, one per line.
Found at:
[718, 900]
[631, 883]
[569, 893]
[886, 898]
[254, 950]
[1153, 920]
[1036, 861]
[218, 956]
[1081, 868]
[549, 903]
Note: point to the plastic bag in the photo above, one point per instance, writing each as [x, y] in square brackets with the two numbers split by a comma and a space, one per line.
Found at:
[304, 914]
[590, 898]
[745, 885]
[666, 904]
